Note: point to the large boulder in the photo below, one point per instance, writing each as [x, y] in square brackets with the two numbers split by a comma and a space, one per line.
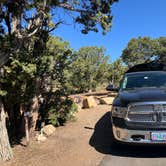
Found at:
[106, 100]
[89, 102]
[48, 130]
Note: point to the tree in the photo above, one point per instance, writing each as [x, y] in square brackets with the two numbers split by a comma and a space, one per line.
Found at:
[57, 107]
[143, 50]
[161, 49]
[5, 150]
[139, 50]
[116, 72]
[34, 77]
[25, 19]
[88, 68]
[24, 32]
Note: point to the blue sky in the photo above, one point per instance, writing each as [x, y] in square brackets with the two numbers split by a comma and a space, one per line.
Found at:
[132, 18]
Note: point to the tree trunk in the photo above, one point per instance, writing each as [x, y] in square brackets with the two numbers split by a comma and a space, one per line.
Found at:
[5, 149]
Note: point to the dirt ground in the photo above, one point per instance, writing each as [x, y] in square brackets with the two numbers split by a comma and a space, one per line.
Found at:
[71, 145]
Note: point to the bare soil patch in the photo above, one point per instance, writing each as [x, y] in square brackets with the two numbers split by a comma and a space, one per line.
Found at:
[70, 145]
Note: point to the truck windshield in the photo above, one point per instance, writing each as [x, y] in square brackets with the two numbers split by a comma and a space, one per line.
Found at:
[144, 80]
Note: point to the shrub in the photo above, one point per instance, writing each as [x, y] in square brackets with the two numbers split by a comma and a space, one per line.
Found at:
[61, 112]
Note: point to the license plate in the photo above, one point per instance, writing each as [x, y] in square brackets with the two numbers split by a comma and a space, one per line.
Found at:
[156, 136]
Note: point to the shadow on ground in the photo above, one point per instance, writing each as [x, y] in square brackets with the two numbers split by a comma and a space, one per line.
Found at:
[101, 141]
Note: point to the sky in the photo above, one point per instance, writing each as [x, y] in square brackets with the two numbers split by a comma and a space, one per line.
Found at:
[132, 18]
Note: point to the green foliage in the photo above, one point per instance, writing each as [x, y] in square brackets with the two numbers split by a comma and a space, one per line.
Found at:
[139, 50]
[57, 108]
[17, 81]
[3, 93]
[161, 49]
[143, 50]
[54, 63]
[116, 72]
[61, 112]
[97, 12]
[56, 72]
[90, 14]
[88, 69]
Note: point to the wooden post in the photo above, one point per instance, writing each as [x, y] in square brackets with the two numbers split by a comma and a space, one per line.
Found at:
[26, 118]
[26, 130]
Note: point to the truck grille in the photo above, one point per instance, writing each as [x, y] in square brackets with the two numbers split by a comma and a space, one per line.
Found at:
[147, 113]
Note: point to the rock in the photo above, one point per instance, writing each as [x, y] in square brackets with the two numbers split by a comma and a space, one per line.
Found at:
[112, 94]
[97, 100]
[48, 130]
[89, 102]
[40, 138]
[106, 100]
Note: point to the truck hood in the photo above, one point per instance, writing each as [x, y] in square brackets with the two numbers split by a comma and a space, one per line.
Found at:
[139, 95]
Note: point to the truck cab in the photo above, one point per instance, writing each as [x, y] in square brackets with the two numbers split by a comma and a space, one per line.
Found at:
[139, 111]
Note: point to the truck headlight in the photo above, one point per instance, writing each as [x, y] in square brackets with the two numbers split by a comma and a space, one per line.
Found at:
[119, 112]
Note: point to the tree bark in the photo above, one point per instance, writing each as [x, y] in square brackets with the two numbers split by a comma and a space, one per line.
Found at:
[5, 149]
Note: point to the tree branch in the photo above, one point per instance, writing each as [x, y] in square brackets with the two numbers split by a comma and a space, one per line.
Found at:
[71, 8]
[32, 33]
[56, 25]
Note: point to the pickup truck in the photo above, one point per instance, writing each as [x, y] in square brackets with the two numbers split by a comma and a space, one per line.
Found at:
[138, 112]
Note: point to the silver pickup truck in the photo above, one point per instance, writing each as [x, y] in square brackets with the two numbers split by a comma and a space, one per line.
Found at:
[139, 110]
